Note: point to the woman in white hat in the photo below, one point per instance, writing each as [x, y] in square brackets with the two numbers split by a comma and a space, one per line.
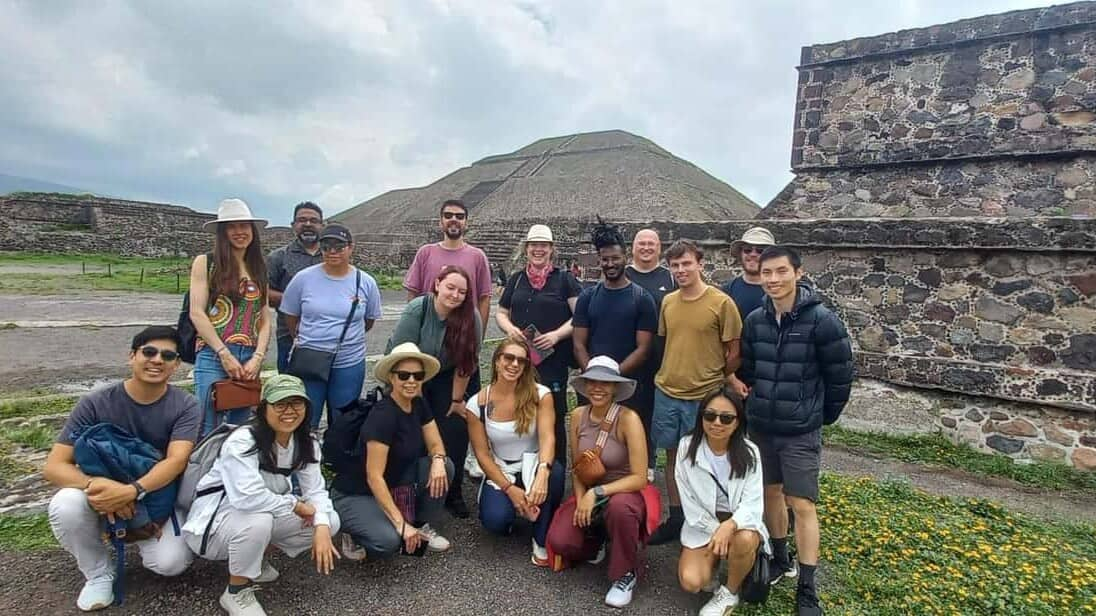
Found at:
[542, 297]
[384, 510]
[228, 307]
[608, 502]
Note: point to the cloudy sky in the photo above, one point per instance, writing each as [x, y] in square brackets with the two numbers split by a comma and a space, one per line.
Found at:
[340, 100]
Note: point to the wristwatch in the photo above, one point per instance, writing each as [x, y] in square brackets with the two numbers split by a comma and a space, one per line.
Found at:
[599, 491]
[545, 465]
[140, 490]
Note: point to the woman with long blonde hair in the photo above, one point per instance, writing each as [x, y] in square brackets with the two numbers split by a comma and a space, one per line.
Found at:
[511, 427]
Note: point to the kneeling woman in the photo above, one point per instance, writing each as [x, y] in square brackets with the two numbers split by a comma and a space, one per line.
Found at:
[246, 502]
[511, 427]
[719, 477]
[611, 502]
[386, 508]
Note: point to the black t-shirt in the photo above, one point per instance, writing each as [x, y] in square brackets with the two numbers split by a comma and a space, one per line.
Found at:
[658, 282]
[402, 432]
[747, 297]
[613, 317]
[547, 309]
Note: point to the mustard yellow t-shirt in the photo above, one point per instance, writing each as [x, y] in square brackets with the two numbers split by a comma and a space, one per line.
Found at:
[695, 332]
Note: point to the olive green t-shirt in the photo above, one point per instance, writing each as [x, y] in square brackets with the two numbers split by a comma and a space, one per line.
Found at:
[420, 323]
[695, 332]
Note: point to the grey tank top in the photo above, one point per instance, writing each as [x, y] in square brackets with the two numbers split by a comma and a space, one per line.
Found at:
[614, 456]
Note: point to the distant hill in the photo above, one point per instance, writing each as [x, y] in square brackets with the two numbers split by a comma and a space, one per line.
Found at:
[14, 183]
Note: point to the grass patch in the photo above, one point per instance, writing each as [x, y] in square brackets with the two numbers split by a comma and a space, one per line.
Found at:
[32, 408]
[936, 449]
[96, 272]
[39, 438]
[26, 532]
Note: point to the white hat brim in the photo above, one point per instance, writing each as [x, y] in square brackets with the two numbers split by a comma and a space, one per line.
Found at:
[385, 364]
[212, 224]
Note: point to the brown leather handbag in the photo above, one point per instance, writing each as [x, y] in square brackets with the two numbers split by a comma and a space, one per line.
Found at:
[588, 466]
[229, 394]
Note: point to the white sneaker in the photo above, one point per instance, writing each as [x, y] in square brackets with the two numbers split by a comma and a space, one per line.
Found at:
[434, 541]
[243, 603]
[96, 594]
[650, 475]
[267, 575]
[472, 467]
[350, 549]
[620, 593]
[600, 556]
[722, 603]
[540, 555]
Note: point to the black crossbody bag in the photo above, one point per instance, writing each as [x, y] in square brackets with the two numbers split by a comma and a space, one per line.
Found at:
[305, 363]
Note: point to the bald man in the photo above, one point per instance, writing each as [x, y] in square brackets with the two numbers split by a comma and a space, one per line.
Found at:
[646, 271]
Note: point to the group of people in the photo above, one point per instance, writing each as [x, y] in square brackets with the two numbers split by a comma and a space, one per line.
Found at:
[658, 359]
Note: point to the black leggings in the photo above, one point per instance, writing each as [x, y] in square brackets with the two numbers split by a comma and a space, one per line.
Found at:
[438, 393]
[553, 375]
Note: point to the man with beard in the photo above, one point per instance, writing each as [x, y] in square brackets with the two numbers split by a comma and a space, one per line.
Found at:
[451, 250]
[615, 317]
[283, 263]
[746, 290]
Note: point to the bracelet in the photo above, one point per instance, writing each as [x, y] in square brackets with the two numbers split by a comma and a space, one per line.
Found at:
[506, 487]
[457, 400]
[438, 456]
[222, 351]
[258, 354]
[88, 484]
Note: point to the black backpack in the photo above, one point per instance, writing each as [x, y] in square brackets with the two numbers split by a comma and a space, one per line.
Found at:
[343, 449]
[187, 332]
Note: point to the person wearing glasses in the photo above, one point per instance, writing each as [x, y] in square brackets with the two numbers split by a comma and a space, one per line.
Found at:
[244, 505]
[162, 415]
[746, 289]
[386, 509]
[284, 263]
[329, 307]
[447, 327]
[719, 478]
[228, 307]
[511, 426]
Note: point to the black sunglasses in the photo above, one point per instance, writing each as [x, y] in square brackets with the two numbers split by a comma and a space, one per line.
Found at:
[510, 358]
[404, 375]
[452, 215]
[724, 418]
[150, 352]
[754, 249]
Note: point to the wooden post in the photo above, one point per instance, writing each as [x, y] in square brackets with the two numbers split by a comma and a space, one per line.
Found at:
[141, 282]
[178, 283]
[83, 267]
[109, 274]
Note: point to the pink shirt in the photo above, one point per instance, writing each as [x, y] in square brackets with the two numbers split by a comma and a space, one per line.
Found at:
[431, 258]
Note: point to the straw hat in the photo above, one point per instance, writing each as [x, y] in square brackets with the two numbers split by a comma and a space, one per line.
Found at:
[407, 350]
[604, 368]
[756, 236]
[233, 210]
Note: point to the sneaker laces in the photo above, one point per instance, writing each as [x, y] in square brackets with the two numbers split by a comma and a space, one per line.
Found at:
[246, 597]
[625, 581]
[427, 532]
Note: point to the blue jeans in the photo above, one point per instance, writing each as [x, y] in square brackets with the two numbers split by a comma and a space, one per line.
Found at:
[284, 346]
[207, 371]
[342, 387]
[497, 512]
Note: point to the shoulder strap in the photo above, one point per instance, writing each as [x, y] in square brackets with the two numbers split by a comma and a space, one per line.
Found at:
[353, 309]
[607, 425]
[485, 393]
[209, 281]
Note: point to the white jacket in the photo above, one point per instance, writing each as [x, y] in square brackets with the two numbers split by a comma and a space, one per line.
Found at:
[247, 488]
[698, 494]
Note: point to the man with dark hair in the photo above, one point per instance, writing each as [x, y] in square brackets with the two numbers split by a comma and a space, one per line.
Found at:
[702, 328]
[145, 406]
[797, 360]
[284, 263]
[615, 317]
[451, 250]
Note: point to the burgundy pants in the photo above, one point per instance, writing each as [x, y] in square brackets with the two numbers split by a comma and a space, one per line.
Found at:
[624, 522]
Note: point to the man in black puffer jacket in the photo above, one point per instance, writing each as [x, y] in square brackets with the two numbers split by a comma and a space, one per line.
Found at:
[797, 361]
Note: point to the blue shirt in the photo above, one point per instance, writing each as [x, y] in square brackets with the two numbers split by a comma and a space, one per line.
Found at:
[322, 303]
[747, 297]
[613, 316]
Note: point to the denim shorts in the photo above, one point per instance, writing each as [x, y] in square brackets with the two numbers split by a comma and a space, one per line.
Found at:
[671, 419]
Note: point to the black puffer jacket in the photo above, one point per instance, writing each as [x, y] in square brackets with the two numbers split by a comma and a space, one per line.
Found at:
[800, 371]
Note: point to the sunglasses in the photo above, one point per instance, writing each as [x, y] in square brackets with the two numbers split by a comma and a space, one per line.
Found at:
[510, 358]
[724, 418]
[405, 375]
[333, 246]
[452, 215]
[151, 352]
[753, 249]
[282, 406]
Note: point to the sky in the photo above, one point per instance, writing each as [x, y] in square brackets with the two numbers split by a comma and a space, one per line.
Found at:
[338, 101]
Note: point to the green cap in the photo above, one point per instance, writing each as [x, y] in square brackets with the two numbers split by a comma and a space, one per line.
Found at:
[282, 386]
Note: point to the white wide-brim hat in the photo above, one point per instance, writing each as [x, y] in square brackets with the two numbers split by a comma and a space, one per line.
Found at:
[539, 233]
[407, 350]
[233, 210]
[605, 369]
[756, 236]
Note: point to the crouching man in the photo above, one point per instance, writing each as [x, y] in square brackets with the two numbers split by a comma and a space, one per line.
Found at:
[163, 416]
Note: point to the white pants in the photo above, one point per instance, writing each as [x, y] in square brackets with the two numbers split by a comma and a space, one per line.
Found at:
[78, 529]
[242, 538]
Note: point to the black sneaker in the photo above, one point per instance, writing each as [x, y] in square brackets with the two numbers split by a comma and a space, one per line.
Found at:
[782, 570]
[668, 531]
[457, 508]
[807, 600]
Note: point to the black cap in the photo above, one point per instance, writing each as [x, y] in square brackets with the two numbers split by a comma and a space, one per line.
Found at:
[335, 231]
